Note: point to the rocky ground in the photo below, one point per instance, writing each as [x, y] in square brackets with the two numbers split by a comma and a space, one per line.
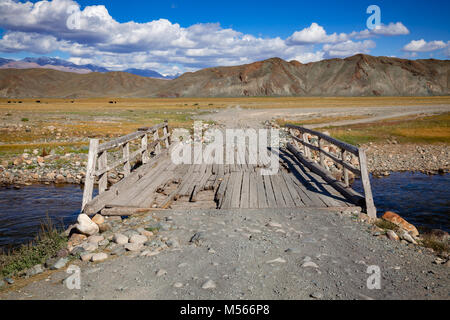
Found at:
[394, 157]
[240, 254]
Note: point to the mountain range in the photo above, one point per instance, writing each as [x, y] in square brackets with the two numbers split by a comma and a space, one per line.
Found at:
[359, 75]
[67, 66]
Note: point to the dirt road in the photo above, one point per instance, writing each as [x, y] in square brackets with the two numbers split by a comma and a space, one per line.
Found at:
[256, 254]
[235, 116]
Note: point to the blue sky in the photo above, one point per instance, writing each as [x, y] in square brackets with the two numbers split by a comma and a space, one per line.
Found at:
[177, 36]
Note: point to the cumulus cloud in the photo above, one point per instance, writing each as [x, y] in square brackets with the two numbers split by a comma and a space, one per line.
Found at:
[348, 48]
[92, 35]
[424, 46]
[315, 34]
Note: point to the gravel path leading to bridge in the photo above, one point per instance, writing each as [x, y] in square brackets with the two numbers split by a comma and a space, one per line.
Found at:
[255, 254]
[235, 116]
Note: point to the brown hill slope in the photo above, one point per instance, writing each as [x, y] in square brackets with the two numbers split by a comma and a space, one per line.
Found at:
[34, 83]
[360, 75]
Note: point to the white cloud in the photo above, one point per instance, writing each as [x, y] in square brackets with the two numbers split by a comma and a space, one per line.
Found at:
[447, 50]
[423, 46]
[392, 29]
[43, 27]
[315, 34]
[348, 48]
[309, 57]
[31, 42]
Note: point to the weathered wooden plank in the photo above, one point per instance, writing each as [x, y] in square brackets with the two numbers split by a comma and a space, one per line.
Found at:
[277, 191]
[157, 140]
[262, 198]
[147, 197]
[285, 191]
[253, 190]
[370, 206]
[89, 180]
[237, 189]
[245, 191]
[220, 194]
[200, 186]
[331, 140]
[306, 191]
[226, 203]
[126, 157]
[125, 211]
[349, 193]
[293, 190]
[128, 195]
[103, 179]
[144, 148]
[186, 181]
[271, 202]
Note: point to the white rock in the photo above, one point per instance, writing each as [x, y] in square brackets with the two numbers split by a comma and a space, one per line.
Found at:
[86, 225]
[161, 273]
[95, 239]
[273, 224]
[120, 238]
[277, 260]
[89, 246]
[99, 257]
[407, 237]
[86, 257]
[133, 246]
[209, 285]
[309, 264]
[137, 238]
[392, 235]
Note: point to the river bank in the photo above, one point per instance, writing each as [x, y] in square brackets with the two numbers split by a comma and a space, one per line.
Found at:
[383, 158]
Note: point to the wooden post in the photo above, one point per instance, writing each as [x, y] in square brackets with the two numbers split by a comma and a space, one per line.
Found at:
[322, 157]
[307, 150]
[168, 131]
[295, 141]
[126, 158]
[158, 144]
[144, 146]
[103, 179]
[90, 169]
[370, 206]
[344, 155]
[166, 141]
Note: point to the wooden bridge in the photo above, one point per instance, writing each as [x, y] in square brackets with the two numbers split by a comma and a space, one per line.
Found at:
[135, 174]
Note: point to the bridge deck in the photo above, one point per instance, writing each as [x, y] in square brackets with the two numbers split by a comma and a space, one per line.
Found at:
[303, 179]
[166, 185]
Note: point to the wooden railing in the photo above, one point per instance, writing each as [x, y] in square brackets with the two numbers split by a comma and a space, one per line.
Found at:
[98, 167]
[302, 139]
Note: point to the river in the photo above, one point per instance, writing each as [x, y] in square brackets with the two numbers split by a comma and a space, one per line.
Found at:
[421, 199]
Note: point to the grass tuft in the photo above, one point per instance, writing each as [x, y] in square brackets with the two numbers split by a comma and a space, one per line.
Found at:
[386, 225]
[433, 242]
[46, 245]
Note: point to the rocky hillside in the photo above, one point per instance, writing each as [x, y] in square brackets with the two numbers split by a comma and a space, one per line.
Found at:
[360, 75]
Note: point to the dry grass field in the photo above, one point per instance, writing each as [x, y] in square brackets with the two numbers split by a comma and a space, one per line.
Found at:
[418, 129]
[67, 124]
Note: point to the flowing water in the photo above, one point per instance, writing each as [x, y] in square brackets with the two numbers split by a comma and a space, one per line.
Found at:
[422, 200]
[22, 211]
